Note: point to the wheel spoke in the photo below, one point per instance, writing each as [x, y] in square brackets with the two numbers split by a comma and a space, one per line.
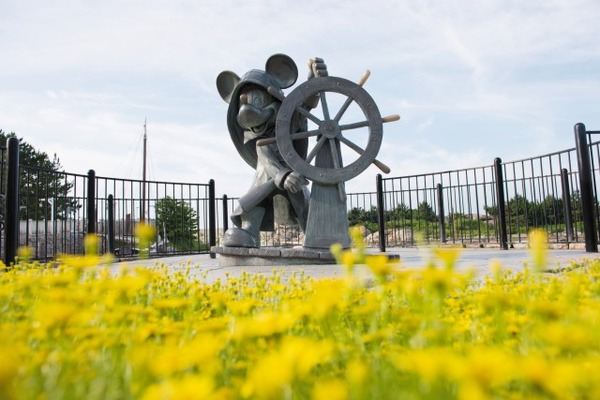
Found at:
[354, 125]
[384, 168]
[351, 144]
[324, 106]
[337, 164]
[335, 155]
[343, 109]
[305, 134]
[315, 149]
[308, 115]
[299, 109]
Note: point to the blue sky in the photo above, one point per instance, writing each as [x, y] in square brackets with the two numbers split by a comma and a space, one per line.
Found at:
[471, 80]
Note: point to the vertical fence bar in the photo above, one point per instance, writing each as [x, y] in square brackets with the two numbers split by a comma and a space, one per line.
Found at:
[441, 216]
[111, 224]
[225, 214]
[501, 203]
[380, 213]
[91, 201]
[586, 190]
[212, 217]
[11, 238]
[566, 191]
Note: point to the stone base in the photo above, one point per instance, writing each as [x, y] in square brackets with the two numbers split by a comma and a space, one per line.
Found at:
[271, 256]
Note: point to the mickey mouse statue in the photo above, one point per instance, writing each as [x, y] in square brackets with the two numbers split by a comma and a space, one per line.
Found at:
[277, 194]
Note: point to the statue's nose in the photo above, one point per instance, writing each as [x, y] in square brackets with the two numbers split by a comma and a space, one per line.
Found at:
[250, 116]
[244, 99]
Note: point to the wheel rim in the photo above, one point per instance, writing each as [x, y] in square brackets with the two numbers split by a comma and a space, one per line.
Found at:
[329, 129]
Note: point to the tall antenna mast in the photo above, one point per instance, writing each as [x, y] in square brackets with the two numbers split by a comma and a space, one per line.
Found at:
[143, 211]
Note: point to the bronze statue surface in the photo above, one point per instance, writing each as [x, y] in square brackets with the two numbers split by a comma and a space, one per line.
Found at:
[270, 132]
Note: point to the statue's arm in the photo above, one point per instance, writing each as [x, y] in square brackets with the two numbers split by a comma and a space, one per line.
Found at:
[317, 68]
[281, 174]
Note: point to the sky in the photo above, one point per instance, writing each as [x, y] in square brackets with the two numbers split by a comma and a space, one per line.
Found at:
[471, 80]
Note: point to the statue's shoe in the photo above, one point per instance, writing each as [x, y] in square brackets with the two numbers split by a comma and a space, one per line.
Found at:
[237, 237]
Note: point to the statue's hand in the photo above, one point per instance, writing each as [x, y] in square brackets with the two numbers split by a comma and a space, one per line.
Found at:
[317, 68]
[294, 182]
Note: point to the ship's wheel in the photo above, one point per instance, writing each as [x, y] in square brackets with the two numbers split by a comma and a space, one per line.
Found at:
[330, 129]
[333, 136]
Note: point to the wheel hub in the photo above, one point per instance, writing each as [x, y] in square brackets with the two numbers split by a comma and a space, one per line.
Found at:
[330, 129]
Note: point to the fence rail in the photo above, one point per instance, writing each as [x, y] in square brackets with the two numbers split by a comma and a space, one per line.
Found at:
[495, 204]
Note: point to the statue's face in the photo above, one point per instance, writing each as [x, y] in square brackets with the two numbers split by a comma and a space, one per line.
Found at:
[257, 109]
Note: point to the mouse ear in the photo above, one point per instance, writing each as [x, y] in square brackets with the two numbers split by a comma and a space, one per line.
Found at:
[283, 69]
[226, 83]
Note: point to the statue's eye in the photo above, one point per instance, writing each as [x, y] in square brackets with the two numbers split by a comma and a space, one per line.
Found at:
[260, 98]
[256, 96]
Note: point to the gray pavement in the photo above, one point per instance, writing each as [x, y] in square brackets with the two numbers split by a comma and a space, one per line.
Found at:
[478, 259]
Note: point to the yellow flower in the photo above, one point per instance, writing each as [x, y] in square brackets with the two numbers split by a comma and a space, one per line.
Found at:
[145, 233]
[168, 360]
[536, 370]
[8, 371]
[276, 371]
[24, 254]
[448, 255]
[90, 243]
[538, 244]
[357, 372]
[496, 269]
[357, 238]
[348, 260]
[379, 265]
[188, 387]
[333, 389]
[430, 365]
[263, 324]
[327, 297]
[268, 378]
[54, 314]
[336, 249]
[488, 367]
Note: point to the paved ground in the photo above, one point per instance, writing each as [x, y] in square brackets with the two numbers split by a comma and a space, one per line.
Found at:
[478, 259]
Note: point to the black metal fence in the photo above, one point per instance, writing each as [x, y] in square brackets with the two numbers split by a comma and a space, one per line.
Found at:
[56, 210]
[496, 204]
[464, 206]
[499, 203]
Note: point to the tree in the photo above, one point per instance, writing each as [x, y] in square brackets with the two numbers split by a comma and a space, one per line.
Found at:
[425, 212]
[402, 212]
[176, 220]
[359, 216]
[552, 211]
[43, 189]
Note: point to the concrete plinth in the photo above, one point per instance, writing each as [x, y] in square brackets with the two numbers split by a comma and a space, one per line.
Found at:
[270, 256]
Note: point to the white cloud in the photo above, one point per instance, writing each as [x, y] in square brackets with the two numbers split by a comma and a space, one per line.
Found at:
[471, 81]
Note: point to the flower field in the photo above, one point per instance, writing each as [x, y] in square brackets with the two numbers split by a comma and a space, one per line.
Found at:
[76, 331]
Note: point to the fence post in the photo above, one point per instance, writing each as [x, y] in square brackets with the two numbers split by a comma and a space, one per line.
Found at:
[586, 188]
[225, 214]
[91, 201]
[442, 216]
[11, 238]
[111, 224]
[566, 191]
[380, 213]
[501, 203]
[212, 220]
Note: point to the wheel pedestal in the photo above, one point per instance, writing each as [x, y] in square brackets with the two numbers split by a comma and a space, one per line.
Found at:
[327, 221]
